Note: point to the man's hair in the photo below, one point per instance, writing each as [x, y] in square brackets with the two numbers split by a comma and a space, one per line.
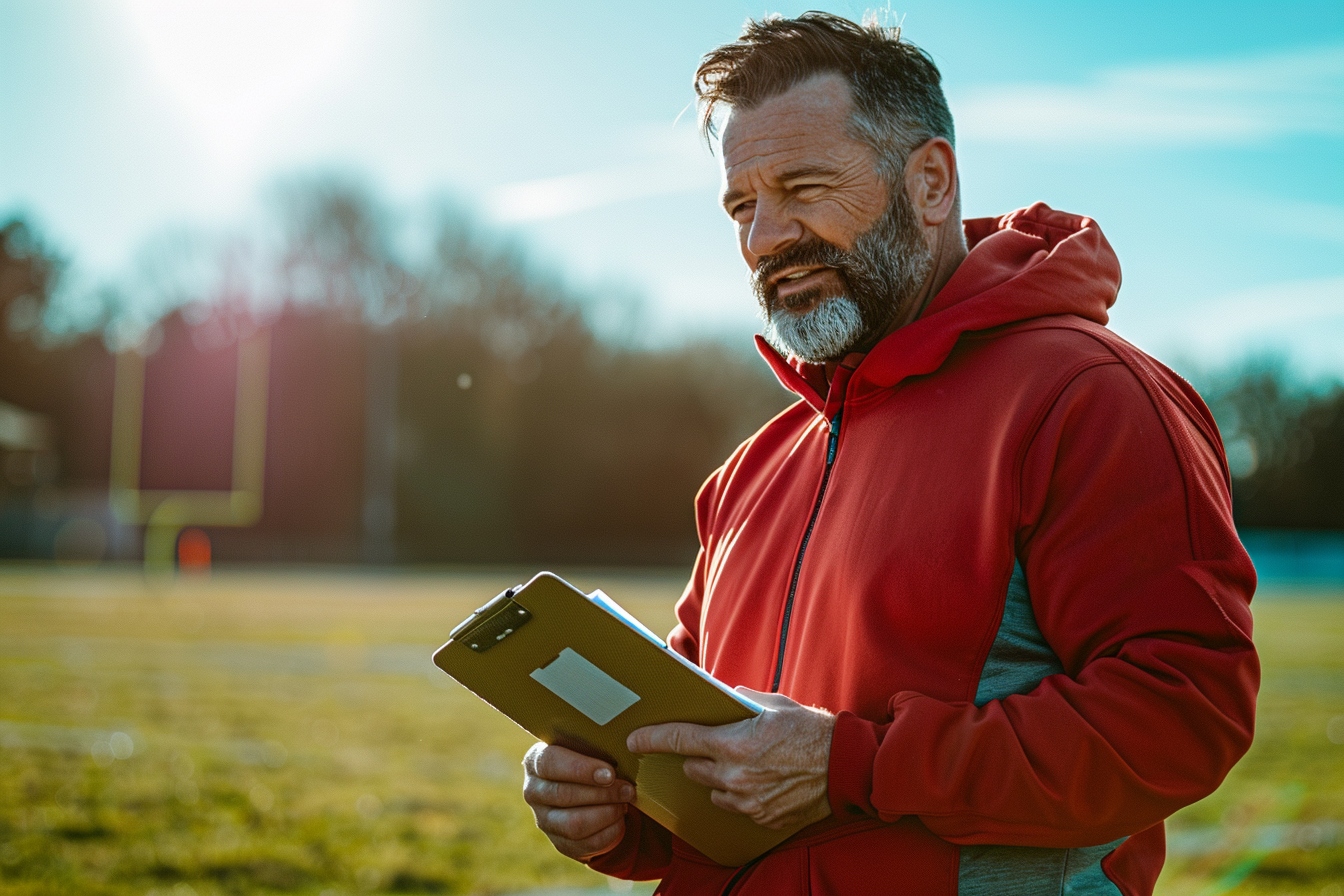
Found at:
[896, 88]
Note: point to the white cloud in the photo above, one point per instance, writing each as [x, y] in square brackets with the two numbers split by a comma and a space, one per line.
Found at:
[554, 197]
[1234, 101]
[1302, 319]
[665, 161]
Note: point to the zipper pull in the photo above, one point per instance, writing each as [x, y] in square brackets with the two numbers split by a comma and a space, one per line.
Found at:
[834, 441]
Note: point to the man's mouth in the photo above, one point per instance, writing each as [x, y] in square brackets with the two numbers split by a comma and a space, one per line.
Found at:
[799, 280]
[798, 274]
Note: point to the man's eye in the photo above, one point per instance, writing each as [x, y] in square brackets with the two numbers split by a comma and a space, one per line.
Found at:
[742, 208]
[808, 191]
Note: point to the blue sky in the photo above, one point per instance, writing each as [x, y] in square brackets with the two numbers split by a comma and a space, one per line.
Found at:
[1207, 139]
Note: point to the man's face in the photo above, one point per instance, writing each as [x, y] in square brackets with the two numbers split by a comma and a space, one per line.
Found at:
[832, 259]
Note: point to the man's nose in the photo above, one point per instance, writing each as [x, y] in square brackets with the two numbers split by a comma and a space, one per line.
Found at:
[771, 230]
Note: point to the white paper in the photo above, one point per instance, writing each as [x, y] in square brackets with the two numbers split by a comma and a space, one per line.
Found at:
[600, 598]
[585, 687]
[740, 698]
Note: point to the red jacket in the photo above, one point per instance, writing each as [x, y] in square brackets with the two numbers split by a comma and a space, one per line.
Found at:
[1000, 547]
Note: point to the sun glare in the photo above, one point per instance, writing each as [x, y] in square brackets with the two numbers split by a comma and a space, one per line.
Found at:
[235, 65]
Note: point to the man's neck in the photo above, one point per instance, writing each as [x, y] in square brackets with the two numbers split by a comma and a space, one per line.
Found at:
[949, 251]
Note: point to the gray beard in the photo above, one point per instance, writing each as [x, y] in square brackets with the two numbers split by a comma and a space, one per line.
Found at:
[827, 331]
[882, 276]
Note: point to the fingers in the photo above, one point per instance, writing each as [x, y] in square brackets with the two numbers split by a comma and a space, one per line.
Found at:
[735, 789]
[772, 768]
[562, 764]
[577, 800]
[737, 802]
[584, 833]
[754, 807]
[555, 777]
[539, 791]
[715, 775]
[581, 823]
[681, 738]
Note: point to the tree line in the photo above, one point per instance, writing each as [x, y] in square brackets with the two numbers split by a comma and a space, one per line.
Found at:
[484, 414]
[471, 409]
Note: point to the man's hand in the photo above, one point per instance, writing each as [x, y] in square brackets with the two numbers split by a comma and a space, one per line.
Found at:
[771, 768]
[577, 800]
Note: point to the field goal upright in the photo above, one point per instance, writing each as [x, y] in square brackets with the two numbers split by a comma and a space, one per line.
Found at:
[166, 512]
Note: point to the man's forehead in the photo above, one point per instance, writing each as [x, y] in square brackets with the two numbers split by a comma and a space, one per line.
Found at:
[809, 114]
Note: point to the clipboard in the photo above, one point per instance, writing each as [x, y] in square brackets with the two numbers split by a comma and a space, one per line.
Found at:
[578, 671]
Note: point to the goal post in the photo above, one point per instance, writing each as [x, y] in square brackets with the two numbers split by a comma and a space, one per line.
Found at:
[165, 512]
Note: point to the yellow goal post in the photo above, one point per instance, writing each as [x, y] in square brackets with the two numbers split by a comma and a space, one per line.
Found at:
[165, 512]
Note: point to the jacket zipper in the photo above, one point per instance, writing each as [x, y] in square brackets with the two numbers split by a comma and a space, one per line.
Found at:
[831, 445]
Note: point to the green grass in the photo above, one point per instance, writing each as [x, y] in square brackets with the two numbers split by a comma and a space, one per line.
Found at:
[287, 733]
[1290, 787]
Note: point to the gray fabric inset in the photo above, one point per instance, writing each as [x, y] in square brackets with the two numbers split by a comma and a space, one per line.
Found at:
[1082, 872]
[1034, 871]
[1011, 871]
[1019, 657]
[1018, 660]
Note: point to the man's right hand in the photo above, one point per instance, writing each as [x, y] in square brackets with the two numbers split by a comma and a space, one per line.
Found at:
[577, 800]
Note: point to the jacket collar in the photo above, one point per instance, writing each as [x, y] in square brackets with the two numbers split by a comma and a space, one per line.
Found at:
[1034, 262]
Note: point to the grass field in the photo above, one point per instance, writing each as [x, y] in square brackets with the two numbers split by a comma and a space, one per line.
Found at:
[254, 733]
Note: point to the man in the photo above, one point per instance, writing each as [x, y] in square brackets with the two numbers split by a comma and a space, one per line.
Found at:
[983, 575]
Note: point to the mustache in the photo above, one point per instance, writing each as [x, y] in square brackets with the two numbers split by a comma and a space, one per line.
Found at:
[813, 253]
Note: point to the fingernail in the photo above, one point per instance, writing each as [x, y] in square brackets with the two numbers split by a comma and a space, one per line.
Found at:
[602, 776]
[627, 792]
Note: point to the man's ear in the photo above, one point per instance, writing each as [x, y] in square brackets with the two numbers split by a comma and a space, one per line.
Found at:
[931, 181]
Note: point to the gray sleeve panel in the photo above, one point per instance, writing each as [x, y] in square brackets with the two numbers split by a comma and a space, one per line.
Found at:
[1019, 657]
[1082, 872]
[1018, 660]
[1034, 871]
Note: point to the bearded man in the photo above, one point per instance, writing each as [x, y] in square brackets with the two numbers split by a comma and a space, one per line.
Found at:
[982, 575]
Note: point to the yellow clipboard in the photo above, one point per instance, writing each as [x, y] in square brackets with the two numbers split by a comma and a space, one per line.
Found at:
[572, 672]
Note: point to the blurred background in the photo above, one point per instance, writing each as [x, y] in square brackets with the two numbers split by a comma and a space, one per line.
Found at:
[354, 302]
[486, 254]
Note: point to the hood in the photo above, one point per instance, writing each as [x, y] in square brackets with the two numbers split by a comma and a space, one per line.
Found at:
[1034, 262]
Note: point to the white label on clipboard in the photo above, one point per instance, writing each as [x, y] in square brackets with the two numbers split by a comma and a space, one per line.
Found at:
[585, 687]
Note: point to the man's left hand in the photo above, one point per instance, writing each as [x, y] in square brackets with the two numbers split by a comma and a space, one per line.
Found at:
[771, 768]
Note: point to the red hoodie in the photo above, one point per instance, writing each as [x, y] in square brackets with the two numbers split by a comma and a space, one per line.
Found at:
[1000, 548]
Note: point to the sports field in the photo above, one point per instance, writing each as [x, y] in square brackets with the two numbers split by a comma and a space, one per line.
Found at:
[287, 733]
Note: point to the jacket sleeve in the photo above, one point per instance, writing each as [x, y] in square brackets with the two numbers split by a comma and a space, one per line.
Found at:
[1142, 590]
[646, 849]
